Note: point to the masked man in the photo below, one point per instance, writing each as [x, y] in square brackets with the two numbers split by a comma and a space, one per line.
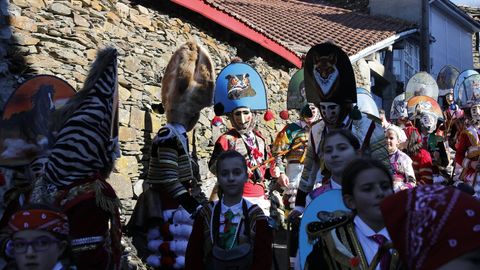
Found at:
[162, 219]
[239, 91]
[468, 144]
[330, 85]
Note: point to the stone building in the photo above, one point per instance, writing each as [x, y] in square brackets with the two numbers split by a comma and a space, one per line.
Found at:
[61, 37]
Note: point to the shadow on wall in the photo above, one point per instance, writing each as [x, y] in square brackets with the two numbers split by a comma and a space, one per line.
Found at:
[12, 61]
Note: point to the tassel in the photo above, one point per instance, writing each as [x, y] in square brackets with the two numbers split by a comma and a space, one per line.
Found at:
[269, 116]
[179, 262]
[306, 111]
[217, 121]
[158, 108]
[284, 114]
[154, 260]
[154, 245]
[355, 114]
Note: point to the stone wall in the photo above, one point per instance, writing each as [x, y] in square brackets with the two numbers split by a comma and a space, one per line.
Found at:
[61, 37]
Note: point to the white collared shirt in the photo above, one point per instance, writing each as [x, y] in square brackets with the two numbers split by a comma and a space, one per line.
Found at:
[236, 209]
[369, 246]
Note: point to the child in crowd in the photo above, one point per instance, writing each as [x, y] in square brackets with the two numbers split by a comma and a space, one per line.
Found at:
[339, 148]
[403, 174]
[356, 240]
[230, 232]
[39, 239]
[434, 227]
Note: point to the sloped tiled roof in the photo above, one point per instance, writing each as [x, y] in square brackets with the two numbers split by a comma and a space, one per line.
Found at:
[297, 25]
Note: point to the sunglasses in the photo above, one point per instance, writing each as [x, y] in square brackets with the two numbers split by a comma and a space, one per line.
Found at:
[39, 244]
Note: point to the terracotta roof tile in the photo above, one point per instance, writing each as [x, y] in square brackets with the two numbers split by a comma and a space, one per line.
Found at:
[297, 25]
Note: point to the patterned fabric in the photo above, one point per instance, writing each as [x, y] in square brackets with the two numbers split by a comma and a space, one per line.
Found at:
[292, 134]
[39, 219]
[227, 237]
[468, 151]
[404, 175]
[431, 225]
[170, 163]
[232, 140]
[84, 146]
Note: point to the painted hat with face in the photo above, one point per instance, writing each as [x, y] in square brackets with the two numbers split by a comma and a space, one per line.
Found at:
[446, 80]
[399, 108]
[469, 92]
[239, 85]
[459, 86]
[329, 75]
[419, 105]
[421, 84]
[432, 224]
[296, 98]
[188, 84]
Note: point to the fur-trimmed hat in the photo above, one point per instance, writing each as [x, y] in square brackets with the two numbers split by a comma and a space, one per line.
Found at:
[188, 83]
[329, 75]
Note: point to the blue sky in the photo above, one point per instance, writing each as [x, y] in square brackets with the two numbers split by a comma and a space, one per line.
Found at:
[472, 3]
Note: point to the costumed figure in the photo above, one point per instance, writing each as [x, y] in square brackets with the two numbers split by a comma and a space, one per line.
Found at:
[291, 142]
[468, 144]
[398, 111]
[421, 158]
[426, 114]
[330, 85]
[239, 92]
[434, 227]
[73, 175]
[403, 174]
[451, 111]
[163, 216]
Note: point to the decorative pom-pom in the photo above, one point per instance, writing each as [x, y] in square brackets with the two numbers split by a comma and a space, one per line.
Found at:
[355, 114]
[219, 109]
[284, 114]
[217, 121]
[269, 116]
[153, 260]
[158, 108]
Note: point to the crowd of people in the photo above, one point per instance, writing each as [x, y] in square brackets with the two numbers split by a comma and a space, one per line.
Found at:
[352, 190]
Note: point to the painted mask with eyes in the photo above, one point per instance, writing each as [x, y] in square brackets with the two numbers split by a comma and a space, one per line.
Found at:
[242, 120]
[428, 122]
[330, 112]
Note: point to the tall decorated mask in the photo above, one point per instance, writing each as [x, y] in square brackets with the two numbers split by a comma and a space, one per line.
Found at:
[329, 78]
[188, 84]
[239, 93]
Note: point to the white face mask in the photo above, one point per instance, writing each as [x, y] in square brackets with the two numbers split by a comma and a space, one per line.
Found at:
[475, 111]
[428, 122]
[330, 112]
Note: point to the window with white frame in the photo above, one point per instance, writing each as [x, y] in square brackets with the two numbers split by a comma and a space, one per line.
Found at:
[406, 62]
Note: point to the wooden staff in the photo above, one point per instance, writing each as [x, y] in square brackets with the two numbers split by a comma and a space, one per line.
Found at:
[281, 153]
